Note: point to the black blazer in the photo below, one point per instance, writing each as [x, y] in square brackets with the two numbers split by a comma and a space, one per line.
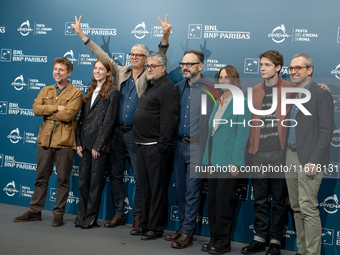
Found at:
[314, 132]
[96, 124]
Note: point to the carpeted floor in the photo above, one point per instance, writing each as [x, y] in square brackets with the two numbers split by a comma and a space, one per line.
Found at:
[26, 238]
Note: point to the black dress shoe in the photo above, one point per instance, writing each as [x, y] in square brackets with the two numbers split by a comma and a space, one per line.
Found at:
[206, 247]
[274, 249]
[216, 249]
[150, 235]
[138, 232]
[254, 247]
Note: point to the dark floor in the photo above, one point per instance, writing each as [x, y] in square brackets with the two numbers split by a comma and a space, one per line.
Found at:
[40, 237]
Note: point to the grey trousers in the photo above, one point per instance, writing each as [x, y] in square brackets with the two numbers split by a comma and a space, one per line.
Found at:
[303, 197]
[63, 159]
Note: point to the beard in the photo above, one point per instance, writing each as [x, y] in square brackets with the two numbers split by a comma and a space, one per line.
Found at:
[191, 74]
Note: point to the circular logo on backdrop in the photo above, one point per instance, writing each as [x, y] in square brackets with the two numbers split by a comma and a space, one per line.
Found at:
[70, 56]
[25, 28]
[336, 72]
[10, 189]
[14, 136]
[19, 83]
[331, 204]
[336, 138]
[140, 31]
[279, 34]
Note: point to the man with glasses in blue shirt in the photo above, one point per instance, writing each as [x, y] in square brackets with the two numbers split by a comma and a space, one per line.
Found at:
[131, 83]
[189, 147]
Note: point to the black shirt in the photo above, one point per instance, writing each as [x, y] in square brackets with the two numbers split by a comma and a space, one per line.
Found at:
[269, 139]
[156, 115]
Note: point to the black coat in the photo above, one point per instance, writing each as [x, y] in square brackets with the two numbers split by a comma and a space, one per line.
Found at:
[96, 124]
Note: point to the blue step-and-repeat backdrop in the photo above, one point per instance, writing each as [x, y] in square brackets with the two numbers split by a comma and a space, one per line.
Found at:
[33, 33]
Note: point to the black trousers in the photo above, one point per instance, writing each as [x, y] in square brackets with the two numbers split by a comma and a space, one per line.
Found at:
[91, 183]
[265, 185]
[153, 170]
[220, 213]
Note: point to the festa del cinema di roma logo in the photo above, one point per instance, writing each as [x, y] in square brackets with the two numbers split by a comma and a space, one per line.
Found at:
[140, 31]
[238, 103]
[331, 204]
[25, 28]
[279, 34]
[10, 189]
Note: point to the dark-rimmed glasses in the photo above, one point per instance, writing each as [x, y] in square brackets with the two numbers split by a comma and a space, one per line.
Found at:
[188, 65]
[133, 55]
[297, 68]
[152, 67]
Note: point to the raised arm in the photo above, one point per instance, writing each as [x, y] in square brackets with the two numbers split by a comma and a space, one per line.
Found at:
[76, 27]
[166, 30]
[94, 48]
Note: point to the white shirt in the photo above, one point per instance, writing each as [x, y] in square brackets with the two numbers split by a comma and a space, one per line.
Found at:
[94, 95]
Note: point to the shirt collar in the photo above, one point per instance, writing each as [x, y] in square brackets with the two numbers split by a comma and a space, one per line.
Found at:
[159, 81]
[308, 85]
[139, 74]
[60, 90]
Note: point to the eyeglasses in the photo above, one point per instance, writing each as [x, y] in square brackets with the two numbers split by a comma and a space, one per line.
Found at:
[188, 64]
[133, 55]
[297, 68]
[152, 67]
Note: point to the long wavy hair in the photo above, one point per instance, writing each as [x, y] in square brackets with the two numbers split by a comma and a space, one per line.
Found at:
[104, 91]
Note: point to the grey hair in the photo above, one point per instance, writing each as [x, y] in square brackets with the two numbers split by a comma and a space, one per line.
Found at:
[160, 57]
[309, 61]
[141, 47]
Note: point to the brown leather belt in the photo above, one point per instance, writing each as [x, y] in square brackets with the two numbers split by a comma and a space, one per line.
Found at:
[125, 128]
[189, 140]
[292, 148]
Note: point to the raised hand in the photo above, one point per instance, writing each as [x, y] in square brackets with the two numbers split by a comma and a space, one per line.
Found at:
[76, 27]
[166, 27]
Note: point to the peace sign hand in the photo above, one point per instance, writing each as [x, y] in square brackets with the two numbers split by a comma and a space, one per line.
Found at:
[76, 27]
[166, 27]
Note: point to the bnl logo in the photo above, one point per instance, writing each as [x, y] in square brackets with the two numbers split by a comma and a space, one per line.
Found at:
[174, 213]
[195, 31]
[118, 58]
[3, 107]
[53, 194]
[6, 55]
[238, 100]
[327, 236]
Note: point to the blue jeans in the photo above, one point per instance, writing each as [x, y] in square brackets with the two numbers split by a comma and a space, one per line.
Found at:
[122, 141]
[188, 189]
